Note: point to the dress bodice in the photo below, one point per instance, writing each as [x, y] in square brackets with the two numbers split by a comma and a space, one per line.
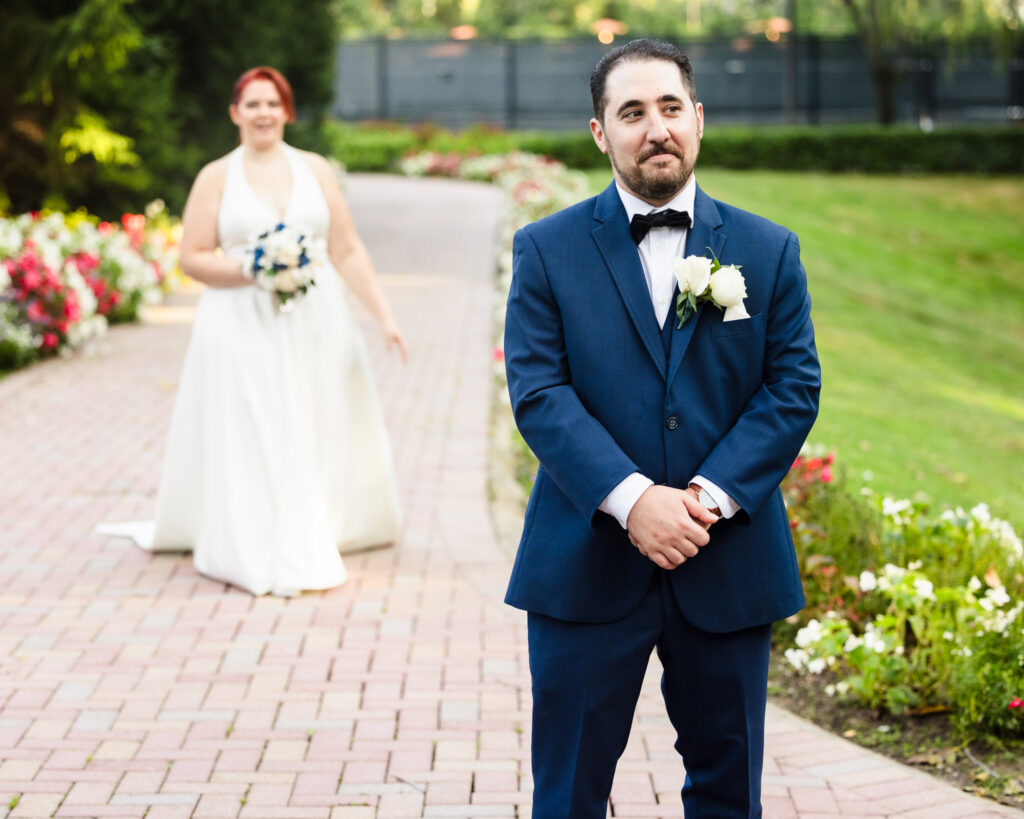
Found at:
[243, 215]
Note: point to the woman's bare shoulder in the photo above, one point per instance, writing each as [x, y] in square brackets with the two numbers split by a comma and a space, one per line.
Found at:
[318, 164]
[213, 174]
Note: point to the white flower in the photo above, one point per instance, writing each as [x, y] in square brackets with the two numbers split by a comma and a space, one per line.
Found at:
[729, 289]
[283, 282]
[924, 588]
[853, 642]
[998, 595]
[873, 639]
[842, 686]
[693, 274]
[894, 508]
[830, 690]
[816, 666]
[947, 635]
[981, 514]
[283, 249]
[868, 582]
[797, 658]
[809, 634]
[974, 584]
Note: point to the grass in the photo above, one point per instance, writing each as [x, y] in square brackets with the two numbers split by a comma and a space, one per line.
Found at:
[918, 292]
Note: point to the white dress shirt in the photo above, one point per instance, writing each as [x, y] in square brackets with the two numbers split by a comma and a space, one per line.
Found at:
[658, 249]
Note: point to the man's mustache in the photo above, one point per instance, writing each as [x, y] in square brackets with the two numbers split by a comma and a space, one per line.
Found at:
[659, 149]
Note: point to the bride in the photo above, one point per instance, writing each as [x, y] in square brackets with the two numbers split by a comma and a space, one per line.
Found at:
[277, 456]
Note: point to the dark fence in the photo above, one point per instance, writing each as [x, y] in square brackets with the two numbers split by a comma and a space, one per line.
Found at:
[544, 84]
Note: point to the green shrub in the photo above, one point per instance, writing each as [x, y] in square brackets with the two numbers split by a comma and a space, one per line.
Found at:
[863, 148]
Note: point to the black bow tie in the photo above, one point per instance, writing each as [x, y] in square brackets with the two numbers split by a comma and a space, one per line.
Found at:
[641, 223]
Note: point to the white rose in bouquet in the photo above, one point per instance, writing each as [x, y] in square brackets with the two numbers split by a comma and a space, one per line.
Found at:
[284, 249]
[284, 281]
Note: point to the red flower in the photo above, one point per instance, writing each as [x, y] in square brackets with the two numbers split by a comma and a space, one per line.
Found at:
[1016, 702]
[30, 280]
[35, 312]
[49, 341]
[826, 474]
[797, 462]
[814, 463]
[830, 458]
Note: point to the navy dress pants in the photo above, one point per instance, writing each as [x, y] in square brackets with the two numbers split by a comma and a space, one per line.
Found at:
[586, 682]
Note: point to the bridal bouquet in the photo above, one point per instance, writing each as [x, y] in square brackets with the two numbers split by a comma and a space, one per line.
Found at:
[283, 261]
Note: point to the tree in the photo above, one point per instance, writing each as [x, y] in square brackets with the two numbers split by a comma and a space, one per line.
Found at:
[111, 103]
[79, 74]
[892, 31]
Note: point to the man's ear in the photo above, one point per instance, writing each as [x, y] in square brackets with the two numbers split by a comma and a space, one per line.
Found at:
[597, 131]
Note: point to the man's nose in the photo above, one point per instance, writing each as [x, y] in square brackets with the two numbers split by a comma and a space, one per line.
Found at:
[656, 129]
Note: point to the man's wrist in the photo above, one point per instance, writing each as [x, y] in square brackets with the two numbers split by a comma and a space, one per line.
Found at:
[705, 499]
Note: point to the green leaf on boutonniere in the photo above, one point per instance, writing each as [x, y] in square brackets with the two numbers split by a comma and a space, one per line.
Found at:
[686, 306]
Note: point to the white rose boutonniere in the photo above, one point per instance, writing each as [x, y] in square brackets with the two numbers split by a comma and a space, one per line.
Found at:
[702, 279]
[728, 289]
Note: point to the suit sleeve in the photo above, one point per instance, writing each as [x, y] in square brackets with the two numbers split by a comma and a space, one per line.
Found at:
[574, 448]
[751, 459]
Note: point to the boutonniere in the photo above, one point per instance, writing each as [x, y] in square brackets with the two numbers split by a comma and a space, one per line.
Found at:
[703, 279]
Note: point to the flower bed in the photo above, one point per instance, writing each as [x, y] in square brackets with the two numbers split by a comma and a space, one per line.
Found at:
[65, 277]
[909, 610]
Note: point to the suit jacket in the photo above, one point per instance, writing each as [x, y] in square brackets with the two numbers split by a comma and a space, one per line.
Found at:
[596, 398]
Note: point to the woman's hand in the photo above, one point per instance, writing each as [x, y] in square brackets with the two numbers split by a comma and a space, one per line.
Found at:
[394, 340]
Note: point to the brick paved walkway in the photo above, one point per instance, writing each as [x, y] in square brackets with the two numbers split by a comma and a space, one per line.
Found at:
[131, 686]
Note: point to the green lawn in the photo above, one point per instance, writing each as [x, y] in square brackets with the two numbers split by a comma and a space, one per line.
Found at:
[918, 292]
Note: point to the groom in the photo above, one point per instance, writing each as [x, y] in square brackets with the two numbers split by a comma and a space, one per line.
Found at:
[656, 521]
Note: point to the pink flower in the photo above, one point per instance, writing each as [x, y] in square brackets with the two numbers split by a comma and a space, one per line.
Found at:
[830, 458]
[49, 341]
[498, 354]
[826, 474]
[1016, 702]
[797, 462]
[72, 312]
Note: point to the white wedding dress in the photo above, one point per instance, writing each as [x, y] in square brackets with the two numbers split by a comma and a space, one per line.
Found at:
[277, 457]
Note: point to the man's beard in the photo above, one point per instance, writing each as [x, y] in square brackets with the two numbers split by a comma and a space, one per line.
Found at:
[660, 187]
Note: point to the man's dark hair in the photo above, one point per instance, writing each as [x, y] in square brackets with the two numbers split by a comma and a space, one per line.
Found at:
[637, 51]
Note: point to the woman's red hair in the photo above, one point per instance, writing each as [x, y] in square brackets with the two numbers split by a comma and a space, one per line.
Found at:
[265, 72]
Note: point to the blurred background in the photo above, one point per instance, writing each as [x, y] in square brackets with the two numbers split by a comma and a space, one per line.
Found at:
[111, 103]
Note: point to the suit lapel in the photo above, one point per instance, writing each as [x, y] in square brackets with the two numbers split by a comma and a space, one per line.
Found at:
[611, 233]
[704, 234]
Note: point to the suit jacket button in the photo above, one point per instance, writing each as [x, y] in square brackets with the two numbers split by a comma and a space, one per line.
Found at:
[671, 422]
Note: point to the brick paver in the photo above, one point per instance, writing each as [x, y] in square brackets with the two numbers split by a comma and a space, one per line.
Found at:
[132, 686]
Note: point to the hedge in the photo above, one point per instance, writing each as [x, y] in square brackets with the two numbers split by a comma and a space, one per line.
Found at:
[862, 148]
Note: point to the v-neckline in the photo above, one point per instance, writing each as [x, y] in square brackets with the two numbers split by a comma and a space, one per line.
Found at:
[279, 217]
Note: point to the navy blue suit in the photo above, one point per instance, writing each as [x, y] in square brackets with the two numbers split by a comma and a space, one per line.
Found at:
[598, 395]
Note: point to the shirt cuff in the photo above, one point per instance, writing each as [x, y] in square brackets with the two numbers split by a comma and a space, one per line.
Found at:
[726, 505]
[621, 499]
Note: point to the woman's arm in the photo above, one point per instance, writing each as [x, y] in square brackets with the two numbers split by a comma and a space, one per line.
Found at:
[200, 257]
[350, 257]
